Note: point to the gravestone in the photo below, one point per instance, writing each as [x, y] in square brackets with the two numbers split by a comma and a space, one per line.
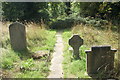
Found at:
[75, 42]
[17, 36]
[100, 59]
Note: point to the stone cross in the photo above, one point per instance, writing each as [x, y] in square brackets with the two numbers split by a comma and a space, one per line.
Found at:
[75, 42]
[17, 36]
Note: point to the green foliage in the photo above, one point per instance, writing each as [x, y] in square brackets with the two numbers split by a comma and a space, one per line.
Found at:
[1, 11]
[25, 11]
[69, 22]
[75, 8]
[62, 24]
[105, 10]
[8, 59]
[7, 64]
[66, 35]
[110, 10]
[87, 9]
[29, 74]
[82, 52]
[56, 9]
[27, 64]
[55, 13]
[12, 11]
[39, 70]
[77, 68]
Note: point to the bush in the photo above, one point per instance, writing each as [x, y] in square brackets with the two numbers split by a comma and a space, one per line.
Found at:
[68, 22]
[91, 21]
[62, 24]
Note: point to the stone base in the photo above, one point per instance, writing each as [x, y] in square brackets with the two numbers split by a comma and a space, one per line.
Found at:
[99, 76]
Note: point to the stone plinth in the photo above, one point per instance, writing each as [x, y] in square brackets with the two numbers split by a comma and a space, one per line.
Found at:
[100, 59]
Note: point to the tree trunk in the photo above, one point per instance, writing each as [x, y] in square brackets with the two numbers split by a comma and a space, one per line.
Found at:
[68, 5]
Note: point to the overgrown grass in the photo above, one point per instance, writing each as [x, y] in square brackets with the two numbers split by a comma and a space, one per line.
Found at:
[92, 36]
[20, 64]
[40, 39]
[95, 36]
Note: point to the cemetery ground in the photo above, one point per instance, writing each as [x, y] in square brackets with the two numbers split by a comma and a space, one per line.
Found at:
[21, 65]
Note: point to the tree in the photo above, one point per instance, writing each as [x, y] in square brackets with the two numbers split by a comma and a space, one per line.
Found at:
[21, 11]
[68, 5]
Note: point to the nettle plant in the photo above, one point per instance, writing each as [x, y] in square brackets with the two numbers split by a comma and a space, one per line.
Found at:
[26, 65]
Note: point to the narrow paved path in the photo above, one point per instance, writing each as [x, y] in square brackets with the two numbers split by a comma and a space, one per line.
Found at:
[56, 62]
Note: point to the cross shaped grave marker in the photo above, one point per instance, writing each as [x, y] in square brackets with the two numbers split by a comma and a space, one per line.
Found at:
[76, 42]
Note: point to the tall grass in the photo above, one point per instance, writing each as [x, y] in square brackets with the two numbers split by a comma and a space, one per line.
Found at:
[39, 38]
[94, 36]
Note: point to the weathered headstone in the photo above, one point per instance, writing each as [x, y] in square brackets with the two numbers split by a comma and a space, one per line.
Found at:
[100, 59]
[75, 42]
[17, 36]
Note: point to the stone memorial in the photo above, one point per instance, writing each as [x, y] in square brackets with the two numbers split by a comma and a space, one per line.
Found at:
[17, 36]
[100, 59]
[75, 42]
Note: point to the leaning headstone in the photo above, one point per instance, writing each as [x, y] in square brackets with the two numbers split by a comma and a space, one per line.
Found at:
[100, 59]
[17, 36]
[75, 42]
